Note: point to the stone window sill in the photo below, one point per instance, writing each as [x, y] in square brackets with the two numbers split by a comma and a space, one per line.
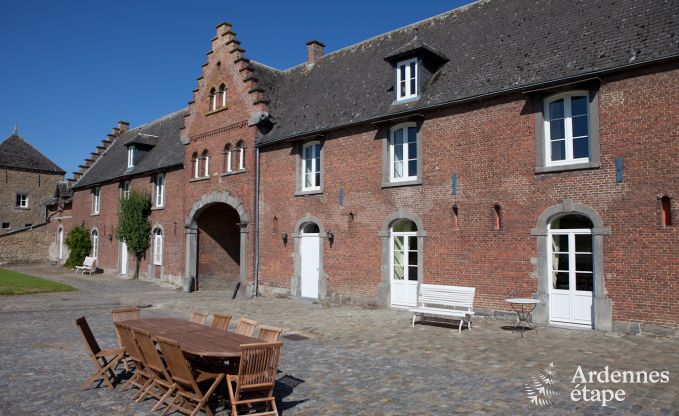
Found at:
[413, 182]
[233, 172]
[406, 101]
[209, 113]
[23, 208]
[202, 178]
[311, 192]
[154, 208]
[562, 168]
[94, 214]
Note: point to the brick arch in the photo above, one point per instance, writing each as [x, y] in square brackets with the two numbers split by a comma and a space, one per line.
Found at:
[191, 233]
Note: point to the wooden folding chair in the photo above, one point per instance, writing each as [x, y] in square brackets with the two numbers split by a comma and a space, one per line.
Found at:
[198, 317]
[189, 398]
[124, 314]
[269, 333]
[141, 375]
[246, 327]
[256, 378]
[220, 321]
[161, 382]
[105, 360]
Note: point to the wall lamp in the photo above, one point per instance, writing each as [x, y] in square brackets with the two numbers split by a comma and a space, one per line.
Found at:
[331, 237]
[110, 238]
[284, 236]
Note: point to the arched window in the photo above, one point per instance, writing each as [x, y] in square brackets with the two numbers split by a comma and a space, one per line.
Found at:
[157, 247]
[205, 158]
[95, 243]
[195, 162]
[222, 95]
[497, 215]
[311, 228]
[241, 155]
[227, 157]
[213, 100]
[666, 211]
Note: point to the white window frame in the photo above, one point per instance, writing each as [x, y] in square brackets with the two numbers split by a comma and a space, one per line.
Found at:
[228, 158]
[96, 199]
[223, 93]
[196, 166]
[130, 157]
[159, 190]
[407, 175]
[568, 129]
[241, 156]
[406, 235]
[408, 93]
[206, 172]
[94, 235]
[314, 167]
[158, 241]
[125, 188]
[22, 198]
[213, 100]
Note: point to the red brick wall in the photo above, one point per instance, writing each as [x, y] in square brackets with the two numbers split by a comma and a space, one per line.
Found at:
[490, 146]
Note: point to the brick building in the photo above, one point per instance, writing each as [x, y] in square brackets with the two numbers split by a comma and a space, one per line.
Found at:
[27, 182]
[524, 151]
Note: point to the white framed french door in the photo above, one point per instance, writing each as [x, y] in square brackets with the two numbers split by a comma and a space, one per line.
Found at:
[571, 276]
[404, 268]
[60, 243]
[123, 258]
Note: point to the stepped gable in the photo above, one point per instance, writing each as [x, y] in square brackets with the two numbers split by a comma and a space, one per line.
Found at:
[493, 47]
[109, 162]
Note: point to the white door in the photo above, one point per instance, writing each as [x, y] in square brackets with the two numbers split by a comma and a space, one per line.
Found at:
[404, 268]
[60, 242]
[123, 258]
[310, 264]
[571, 277]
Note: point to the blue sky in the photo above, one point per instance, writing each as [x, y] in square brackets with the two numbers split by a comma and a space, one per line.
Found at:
[72, 69]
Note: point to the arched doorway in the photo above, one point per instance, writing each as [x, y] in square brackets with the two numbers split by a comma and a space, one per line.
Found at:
[404, 266]
[60, 243]
[309, 253]
[216, 243]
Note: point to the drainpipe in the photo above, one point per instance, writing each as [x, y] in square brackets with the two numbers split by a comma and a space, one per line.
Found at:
[256, 288]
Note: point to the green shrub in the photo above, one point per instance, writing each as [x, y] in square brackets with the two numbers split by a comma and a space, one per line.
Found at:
[134, 227]
[79, 244]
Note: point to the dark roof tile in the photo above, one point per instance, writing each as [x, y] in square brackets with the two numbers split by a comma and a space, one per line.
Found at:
[17, 153]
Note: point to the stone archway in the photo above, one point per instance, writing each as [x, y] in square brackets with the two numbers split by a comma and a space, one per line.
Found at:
[602, 305]
[205, 203]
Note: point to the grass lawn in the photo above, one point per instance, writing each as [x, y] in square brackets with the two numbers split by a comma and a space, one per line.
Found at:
[13, 283]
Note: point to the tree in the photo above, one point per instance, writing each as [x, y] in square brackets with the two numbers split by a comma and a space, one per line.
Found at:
[79, 245]
[134, 227]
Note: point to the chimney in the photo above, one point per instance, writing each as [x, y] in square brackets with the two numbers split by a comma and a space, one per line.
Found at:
[123, 126]
[314, 51]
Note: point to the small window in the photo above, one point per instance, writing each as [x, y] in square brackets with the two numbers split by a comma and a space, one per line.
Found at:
[28, 225]
[311, 228]
[5, 225]
[95, 199]
[195, 162]
[241, 155]
[456, 216]
[666, 211]
[95, 243]
[497, 217]
[159, 190]
[130, 157]
[566, 129]
[227, 158]
[22, 201]
[205, 160]
[311, 166]
[158, 247]
[213, 99]
[222, 95]
[403, 152]
[406, 80]
[125, 189]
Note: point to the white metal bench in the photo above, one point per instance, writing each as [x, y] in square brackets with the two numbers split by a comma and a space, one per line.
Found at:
[445, 301]
[88, 266]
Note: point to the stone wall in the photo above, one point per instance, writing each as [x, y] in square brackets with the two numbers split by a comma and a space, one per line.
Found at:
[39, 187]
[28, 245]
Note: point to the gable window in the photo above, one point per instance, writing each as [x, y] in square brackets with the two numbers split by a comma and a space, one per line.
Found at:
[95, 200]
[22, 201]
[241, 155]
[222, 95]
[311, 166]
[227, 158]
[125, 189]
[213, 99]
[205, 160]
[95, 243]
[159, 190]
[158, 247]
[403, 153]
[130, 157]
[195, 162]
[5, 225]
[406, 80]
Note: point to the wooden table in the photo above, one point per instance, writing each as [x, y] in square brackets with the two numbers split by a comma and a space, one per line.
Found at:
[194, 338]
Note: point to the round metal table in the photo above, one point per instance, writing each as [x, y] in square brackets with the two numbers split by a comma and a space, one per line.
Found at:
[523, 308]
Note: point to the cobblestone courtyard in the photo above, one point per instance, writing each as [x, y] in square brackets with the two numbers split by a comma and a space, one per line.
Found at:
[356, 361]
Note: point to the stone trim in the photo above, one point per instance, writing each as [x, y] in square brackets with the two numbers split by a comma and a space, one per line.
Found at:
[296, 280]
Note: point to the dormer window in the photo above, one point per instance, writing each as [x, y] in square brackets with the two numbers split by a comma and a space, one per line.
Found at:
[130, 157]
[406, 80]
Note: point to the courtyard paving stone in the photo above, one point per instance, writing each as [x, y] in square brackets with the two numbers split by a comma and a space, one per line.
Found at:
[356, 361]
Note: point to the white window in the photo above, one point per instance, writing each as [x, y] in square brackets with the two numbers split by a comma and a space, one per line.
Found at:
[130, 156]
[567, 129]
[95, 200]
[222, 95]
[157, 247]
[22, 201]
[311, 166]
[241, 155]
[206, 161]
[125, 189]
[95, 244]
[213, 99]
[403, 157]
[159, 190]
[227, 158]
[196, 165]
[406, 80]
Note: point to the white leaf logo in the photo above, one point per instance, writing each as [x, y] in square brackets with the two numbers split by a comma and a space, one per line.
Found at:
[538, 392]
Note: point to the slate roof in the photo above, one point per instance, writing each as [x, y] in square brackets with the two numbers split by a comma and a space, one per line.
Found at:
[494, 46]
[17, 153]
[168, 152]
